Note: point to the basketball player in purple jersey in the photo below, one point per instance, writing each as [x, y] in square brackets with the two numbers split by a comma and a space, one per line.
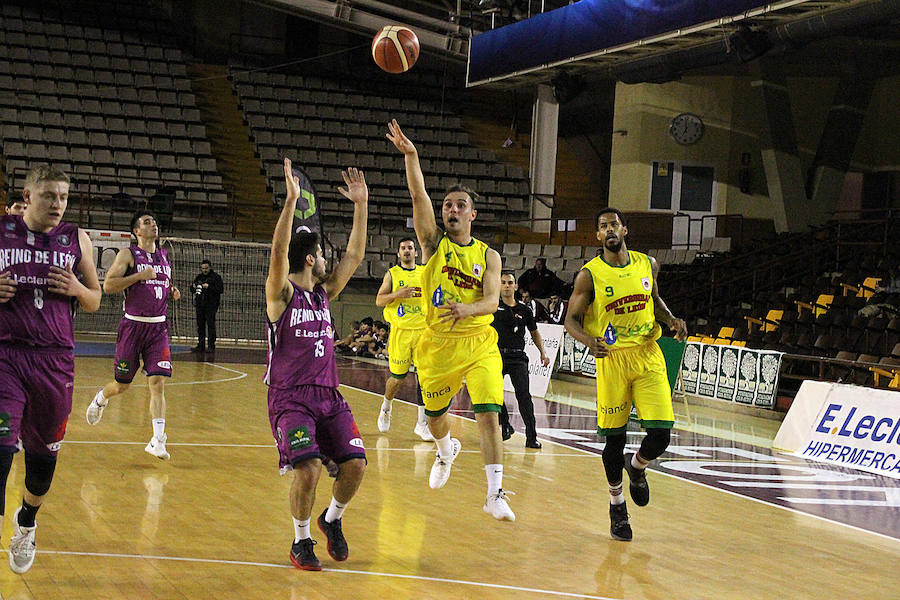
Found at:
[46, 270]
[144, 273]
[309, 418]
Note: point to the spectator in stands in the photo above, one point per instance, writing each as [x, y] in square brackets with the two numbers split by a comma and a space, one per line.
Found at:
[354, 329]
[15, 204]
[537, 309]
[540, 282]
[378, 348]
[361, 329]
[556, 310]
[373, 345]
[208, 288]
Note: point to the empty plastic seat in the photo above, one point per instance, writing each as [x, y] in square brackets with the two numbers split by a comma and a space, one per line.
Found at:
[552, 251]
[511, 249]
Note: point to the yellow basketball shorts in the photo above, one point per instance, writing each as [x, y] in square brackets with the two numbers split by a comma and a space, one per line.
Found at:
[633, 375]
[401, 344]
[443, 361]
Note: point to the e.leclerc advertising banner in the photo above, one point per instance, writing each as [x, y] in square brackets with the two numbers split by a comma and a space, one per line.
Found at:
[856, 427]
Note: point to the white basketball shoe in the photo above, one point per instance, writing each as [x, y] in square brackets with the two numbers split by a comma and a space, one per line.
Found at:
[157, 447]
[21, 547]
[440, 470]
[497, 505]
[95, 408]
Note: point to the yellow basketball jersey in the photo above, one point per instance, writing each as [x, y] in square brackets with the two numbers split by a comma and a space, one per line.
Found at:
[453, 274]
[622, 312]
[405, 313]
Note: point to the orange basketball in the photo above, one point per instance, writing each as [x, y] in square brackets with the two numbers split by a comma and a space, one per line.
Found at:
[395, 48]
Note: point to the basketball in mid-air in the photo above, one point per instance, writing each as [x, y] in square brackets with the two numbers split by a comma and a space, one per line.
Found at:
[395, 48]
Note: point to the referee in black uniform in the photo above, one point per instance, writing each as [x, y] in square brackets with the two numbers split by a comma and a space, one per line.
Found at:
[511, 320]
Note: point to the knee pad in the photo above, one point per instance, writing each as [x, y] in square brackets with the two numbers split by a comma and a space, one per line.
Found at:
[38, 473]
[6, 459]
[655, 443]
[614, 457]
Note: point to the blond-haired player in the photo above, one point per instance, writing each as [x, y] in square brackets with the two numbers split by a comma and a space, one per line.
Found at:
[614, 311]
[461, 291]
[401, 296]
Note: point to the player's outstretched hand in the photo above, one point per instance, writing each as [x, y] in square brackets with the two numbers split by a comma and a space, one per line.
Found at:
[356, 189]
[453, 311]
[680, 329]
[400, 141]
[291, 183]
[409, 292]
[64, 281]
[7, 287]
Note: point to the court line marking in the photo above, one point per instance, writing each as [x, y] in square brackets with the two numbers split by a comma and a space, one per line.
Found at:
[673, 476]
[240, 375]
[272, 445]
[346, 571]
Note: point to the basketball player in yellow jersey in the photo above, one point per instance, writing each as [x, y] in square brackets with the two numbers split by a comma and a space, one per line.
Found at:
[401, 296]
[460, 293]
[614, 311]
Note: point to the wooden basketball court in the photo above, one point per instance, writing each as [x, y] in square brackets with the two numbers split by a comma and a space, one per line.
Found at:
[214, 521]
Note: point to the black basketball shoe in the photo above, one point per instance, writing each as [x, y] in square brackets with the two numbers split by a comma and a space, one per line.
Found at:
[303, 556]
[619, 527]
[337, 545]
[637, 483]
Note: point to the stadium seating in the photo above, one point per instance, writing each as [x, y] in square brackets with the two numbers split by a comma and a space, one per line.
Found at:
[113, 106]
[326, 128]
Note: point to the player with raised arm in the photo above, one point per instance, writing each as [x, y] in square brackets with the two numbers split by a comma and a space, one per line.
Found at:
[615, 311]
[461, 291]
[46, 270]
[309, 418]
[143, 272]
[401, 296]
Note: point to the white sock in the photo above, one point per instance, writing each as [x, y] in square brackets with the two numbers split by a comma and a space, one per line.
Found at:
[335, 511]
[386, 404]
[637, 462]
[159, 428]
[422, 418]
[445, 446]
[301, 530]
[494, 478]
[615, 494]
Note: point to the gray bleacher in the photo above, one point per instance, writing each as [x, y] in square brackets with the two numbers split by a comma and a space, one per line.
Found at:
[565, 261]
[113, 107]
[325, 128]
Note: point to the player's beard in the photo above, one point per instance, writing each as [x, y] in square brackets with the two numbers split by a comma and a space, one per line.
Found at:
[319, 274]
[613, 244]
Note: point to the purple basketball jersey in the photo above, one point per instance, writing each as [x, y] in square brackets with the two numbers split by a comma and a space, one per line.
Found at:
[301, 343]
[149, 298]
[35, 316]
